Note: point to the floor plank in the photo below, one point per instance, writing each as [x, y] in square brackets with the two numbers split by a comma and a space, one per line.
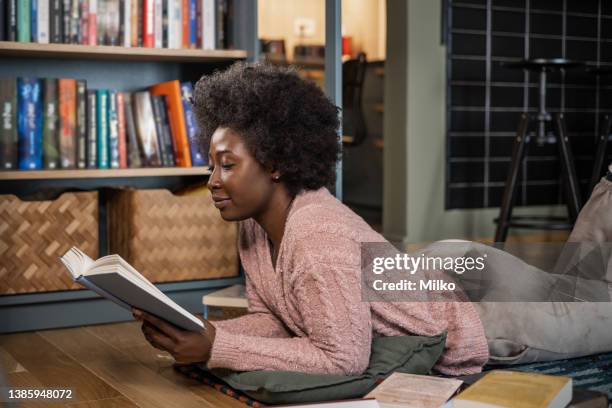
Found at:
[123, 372]
[8, 362]
[53, 368]
[120, 402]
[26, 380]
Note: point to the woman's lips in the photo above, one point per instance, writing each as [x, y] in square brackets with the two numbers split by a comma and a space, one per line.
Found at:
[221, 202]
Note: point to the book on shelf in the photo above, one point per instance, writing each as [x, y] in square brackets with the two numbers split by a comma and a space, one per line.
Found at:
[81, 124]
[29, 123]
[133, 148]
[67, 116]
[114, 279]
[162, 127]
[113, 130]
[8, 131]
[92, 131]
[51, 154]
[3, 28]
[198, 156]
[56, 22]
[145, 127]
[401, 390]
[504, 388]
[42, 21]
[102, 123]
[176, 115]
[11, 20]
[24, 18]
[123, 159]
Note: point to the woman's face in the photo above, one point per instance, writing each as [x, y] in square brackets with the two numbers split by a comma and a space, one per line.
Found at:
[241, 187]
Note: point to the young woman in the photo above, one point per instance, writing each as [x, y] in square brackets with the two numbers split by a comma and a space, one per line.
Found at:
[273, 150]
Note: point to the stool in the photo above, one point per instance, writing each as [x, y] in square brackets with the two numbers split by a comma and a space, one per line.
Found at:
[522, 139]
[604, 136]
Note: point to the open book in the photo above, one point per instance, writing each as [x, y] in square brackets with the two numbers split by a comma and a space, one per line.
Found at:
[115, 279]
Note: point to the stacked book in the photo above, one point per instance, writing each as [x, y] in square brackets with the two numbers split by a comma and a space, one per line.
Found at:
[60, 124]
[200, 24]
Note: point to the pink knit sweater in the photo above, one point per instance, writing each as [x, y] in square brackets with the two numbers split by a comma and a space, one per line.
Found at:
[307, 314]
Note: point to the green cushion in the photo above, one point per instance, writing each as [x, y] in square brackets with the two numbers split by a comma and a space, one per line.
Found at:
[406, 354]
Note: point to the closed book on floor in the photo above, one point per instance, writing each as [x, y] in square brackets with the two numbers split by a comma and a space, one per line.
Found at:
[8, 131]
[176, 114]
[503, 388]
[51, 154]
[115, 279]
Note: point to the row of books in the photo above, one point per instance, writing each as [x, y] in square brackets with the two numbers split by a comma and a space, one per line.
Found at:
[129, 23]
[60, 124]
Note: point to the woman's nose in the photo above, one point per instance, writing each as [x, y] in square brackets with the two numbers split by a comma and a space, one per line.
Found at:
[213, 180]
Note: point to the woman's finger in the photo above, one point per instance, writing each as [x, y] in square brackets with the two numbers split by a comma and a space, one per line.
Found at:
[158, 339]
[161, 325]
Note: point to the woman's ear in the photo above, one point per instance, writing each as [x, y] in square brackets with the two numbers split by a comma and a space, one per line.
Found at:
[275, 175]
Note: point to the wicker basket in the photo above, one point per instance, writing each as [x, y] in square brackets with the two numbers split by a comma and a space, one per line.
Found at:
[34, 234]
[171, 238]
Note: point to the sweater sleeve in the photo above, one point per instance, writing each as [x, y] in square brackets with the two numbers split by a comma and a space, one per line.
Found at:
[336, 329]
[258, 322]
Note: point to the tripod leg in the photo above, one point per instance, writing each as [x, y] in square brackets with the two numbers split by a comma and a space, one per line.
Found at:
[600, 153]
[518, 153]
[574, 202]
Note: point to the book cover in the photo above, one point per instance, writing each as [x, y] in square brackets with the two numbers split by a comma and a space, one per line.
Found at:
[163, 131]
[185, 23]
[112, 22]
[158, 34]
[92, 129]
[121, 23]
[92, 25]
[29, 123]
[145, 126]
[134, 22]
[193, 24]
[133, 147]
[8, 132]
[140, 24]
[56, 20]
[196, 148]
[84, 30]
[113, 130]
[148, 23]
[75, 22]
[3, 20]
[67, 118]
[102, 133]
[221, 16]
[24, 19]
[11, 19]
[101, 18]
[165, 8]
[51, 153]
[121, 130]
[172, 91]
[66, 14]
[42, 21]
[34, 20]
[81, 124]
[208, 24]
[126, 22]
[175, 21]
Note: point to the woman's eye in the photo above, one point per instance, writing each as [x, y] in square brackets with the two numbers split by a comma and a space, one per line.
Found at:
[227, 166]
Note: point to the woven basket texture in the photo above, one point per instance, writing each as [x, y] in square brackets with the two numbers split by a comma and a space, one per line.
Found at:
[170, 238]
[34, 234]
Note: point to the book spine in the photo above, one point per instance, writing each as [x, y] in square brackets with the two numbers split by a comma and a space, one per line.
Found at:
[101, 18]
[92, 131]
[185, 23]
[112, 22]
[198, 157]
[92, 36]
[134, 159]
[11, 15]
[24, 17]
[175, 33]
[66, 13]
[102, 122]
[199, 10]
[113, 130]
[3, 20]
[8, 132]
[208, 24]
[75, 22]
[56, 20]
[140, 21]
[165, 4]
[145, 126]
[34, 20]
[193, 24]
[120, 23]
[29, 124]
[81, 123]
[51, 154]
[158, 34]
[167, 131]
[134, 23]
[67, 108]
[84, 30]
[127, 23]
[157, 117]
[148, 23]
[42, 23]
[121, 130]
[220, 11]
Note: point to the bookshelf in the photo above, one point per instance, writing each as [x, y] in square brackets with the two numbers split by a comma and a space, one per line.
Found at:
[126, 69]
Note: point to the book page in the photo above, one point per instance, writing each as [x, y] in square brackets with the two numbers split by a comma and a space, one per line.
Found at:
[410, 390]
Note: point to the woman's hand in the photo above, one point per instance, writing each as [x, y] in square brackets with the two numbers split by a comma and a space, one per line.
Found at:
[185, 346]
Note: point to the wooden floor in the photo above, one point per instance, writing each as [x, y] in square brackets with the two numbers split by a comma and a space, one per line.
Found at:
[106, 366]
